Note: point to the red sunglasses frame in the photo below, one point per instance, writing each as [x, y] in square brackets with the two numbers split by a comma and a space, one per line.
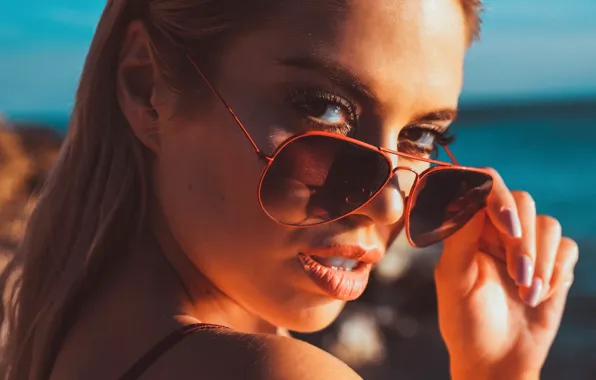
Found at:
[380, 150]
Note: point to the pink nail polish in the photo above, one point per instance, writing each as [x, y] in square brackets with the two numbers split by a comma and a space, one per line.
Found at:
[535, 293]
[524, 271]
[511, 221]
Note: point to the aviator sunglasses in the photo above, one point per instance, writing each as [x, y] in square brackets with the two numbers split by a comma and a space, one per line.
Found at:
[315, 178]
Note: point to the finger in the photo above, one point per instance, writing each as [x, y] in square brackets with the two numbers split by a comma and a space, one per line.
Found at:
[548, 236]
[549, 312]
[548, 241]
[565, 262]
[521, 252]
[459, 251]
[502, 208]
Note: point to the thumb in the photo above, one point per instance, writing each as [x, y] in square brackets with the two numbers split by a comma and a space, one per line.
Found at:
[459, 249]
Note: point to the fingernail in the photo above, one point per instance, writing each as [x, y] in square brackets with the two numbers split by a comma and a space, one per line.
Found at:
[523, 271]
[511, 222]
[533, 296]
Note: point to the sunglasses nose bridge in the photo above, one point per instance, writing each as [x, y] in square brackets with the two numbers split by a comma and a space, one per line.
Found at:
[405, 179]
[404, 168]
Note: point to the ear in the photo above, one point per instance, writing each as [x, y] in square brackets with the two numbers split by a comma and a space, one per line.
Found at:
[136, 84]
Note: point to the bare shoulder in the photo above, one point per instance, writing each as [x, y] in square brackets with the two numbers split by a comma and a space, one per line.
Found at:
[214, 354]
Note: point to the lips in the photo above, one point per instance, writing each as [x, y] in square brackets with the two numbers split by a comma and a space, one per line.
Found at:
[341, 271]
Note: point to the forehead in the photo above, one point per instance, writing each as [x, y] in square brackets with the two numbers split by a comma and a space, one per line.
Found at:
[411, 49]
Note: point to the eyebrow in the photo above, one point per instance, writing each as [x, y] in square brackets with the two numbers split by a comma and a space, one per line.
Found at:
[348, 79]
[332, 70]
[445, 114]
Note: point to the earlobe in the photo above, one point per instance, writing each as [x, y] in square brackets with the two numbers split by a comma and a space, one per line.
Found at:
[136, 84]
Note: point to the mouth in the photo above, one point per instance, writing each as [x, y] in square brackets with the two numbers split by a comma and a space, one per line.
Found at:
[342, 272]
[338, 263]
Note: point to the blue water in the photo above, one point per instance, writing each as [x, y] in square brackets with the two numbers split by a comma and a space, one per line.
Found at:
[550, 154]
[554, 159]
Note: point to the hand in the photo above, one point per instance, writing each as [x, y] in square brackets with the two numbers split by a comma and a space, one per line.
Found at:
[502, 284]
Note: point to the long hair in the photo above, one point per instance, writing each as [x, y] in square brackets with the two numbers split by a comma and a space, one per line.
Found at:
[93, 202]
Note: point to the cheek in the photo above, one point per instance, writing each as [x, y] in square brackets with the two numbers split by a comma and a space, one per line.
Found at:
[206, 182]
[198, 181]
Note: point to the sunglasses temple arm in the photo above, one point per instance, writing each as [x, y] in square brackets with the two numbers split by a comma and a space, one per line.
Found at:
[221, 99]
[450, 154]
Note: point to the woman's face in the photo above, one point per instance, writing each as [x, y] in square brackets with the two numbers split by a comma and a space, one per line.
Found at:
[381, 71]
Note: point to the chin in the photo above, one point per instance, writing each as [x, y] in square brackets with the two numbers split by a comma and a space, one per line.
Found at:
[313, 318]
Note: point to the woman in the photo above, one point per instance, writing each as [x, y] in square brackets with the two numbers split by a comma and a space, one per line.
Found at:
[151, 220]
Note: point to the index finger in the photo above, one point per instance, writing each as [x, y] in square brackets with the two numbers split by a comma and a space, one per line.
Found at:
[502, 208]
[515, 217]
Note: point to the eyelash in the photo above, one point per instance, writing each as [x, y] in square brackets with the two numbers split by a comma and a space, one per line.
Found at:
[303, 98]
[441, 137]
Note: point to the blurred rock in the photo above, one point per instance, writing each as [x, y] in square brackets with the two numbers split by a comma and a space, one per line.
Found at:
[359, 340]
[41, 144]
[27, 153]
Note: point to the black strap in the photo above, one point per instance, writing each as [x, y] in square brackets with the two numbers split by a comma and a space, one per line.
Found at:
[141, 365]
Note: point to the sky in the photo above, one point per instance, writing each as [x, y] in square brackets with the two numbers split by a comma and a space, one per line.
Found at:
[530, 49]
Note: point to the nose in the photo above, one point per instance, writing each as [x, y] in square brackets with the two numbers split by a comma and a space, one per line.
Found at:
[387, 207]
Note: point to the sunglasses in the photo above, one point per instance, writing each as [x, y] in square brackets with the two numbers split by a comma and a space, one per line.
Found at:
[316, 178]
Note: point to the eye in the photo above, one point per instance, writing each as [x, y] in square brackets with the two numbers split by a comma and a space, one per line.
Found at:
[423, 139]
[420, 136]
[325, 111]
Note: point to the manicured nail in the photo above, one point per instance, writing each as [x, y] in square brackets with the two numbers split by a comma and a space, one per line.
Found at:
[511, 221]
[533, 296]
[524, 271]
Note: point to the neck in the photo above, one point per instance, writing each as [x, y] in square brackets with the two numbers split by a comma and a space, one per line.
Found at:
[199, 299]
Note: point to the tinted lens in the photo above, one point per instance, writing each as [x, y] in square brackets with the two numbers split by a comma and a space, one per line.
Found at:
[315, 179]
[445, 200]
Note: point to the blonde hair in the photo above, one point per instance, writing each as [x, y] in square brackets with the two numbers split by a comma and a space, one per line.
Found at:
[92, 204]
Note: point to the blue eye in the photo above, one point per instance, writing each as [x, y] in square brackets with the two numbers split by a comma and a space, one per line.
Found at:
[421, 136]
[426, 138]
[321, 110]
[422, 139]
[328, 113]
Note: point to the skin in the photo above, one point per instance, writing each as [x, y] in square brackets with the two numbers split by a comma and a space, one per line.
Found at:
[218, 258]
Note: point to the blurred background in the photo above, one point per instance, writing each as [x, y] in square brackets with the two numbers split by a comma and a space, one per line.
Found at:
[528, 109]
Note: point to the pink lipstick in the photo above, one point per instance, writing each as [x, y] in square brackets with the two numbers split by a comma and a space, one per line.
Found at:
[341, 271]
